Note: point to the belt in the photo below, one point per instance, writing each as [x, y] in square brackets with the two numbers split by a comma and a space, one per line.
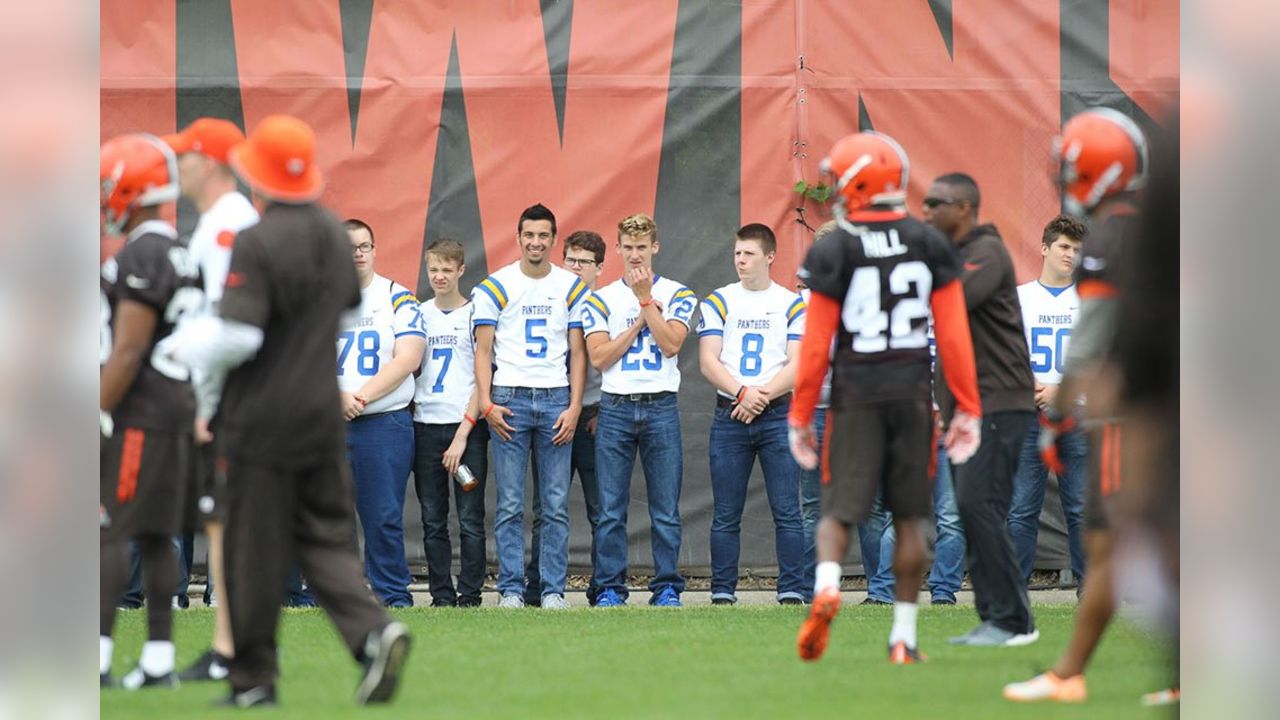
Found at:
[641, 397]
[728, 403]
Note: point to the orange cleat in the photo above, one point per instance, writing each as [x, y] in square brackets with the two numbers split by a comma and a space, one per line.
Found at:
[900, 654]
[812, 640]
[1048, 687]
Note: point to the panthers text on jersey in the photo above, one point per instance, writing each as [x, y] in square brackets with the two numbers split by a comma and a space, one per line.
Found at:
[155, 270]
[367, 336]
[448, 374]
[642, 368]
[532, 318]
[755, 326]
[1047, 316]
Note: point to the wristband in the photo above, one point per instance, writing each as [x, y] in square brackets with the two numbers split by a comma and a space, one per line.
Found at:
[468, 418]
[741, 391]
[646, 303]
[360, 400]
[485, 414]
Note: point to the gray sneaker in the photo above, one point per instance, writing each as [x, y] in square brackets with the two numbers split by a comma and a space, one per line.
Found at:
[988, 635]
[511, 601]
[554, 601]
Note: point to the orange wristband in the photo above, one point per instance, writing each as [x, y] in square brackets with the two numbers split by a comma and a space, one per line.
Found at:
[485, 414]
[646, 303]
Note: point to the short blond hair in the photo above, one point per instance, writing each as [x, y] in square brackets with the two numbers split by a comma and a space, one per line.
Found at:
[638, 226]
[824, 230]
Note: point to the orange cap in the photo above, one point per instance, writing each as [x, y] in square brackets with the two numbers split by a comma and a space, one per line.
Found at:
[278, 160]
[207, 136]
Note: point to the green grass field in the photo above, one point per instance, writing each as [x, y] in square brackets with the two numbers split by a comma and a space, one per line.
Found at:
[652, 663]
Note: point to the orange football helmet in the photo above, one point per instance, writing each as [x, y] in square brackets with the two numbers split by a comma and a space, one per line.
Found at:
[1101, 153]
[135, 170]
[866, 168]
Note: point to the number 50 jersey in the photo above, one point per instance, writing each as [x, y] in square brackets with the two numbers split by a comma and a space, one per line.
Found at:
[883, 273]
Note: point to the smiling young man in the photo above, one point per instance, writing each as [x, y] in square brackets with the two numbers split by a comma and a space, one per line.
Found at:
[447, 433]
[748, 348]
[530, 368]
[635, 327]
[1049, 305]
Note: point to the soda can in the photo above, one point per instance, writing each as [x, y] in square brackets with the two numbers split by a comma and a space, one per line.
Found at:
[466, 478]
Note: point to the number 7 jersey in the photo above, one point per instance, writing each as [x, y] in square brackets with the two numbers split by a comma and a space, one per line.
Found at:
[883, 273]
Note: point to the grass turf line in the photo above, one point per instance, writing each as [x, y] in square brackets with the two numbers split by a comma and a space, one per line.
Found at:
[638, 662]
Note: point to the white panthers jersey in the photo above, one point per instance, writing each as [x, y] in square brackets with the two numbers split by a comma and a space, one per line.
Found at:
[214, 236]
[367, 335]
[532, 317]
[1047, 316]
[448, 374]
[756, 326]
[642, 368]
[824, 400]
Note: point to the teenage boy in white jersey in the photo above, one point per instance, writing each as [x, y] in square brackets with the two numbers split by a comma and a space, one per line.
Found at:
[208, 182]
[1049, 307]
[528, 320]
[380, 344]
[748, 348]
[635, 327]
[447, 434]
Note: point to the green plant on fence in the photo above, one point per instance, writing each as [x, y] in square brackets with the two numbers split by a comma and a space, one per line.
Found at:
[819, 192]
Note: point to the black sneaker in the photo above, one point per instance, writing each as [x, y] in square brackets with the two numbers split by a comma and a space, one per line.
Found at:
[469, 602]
[443, 602]
[723, 601]
[212, 665]
[105, 681]
[873, 601]
[260, 696]
[943, 601]
[385, 652]
[791, 600]
[138, 679]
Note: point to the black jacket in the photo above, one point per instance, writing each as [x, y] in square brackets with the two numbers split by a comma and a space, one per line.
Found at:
[1005, 381]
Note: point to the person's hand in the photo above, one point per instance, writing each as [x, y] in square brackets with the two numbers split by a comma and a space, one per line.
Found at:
[1045, 395]
[352, 406]
[566, 425]
[202, 434]
[640, 280]
[591, 425]
[756, 399]
[497, 417]
[1052, 428]
[963, 437]
[804, 445]
[742, 414]
[453, 455]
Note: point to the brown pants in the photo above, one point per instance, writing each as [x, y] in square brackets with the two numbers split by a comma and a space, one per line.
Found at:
[274, 518]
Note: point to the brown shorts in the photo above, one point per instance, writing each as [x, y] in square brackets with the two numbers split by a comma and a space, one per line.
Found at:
[1104, 474]
[145, 483]
[883, 445]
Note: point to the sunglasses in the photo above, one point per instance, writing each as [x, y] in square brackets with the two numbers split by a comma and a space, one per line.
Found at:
[933, 202]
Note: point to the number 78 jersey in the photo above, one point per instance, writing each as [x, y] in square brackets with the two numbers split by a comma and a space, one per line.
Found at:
[883, 273]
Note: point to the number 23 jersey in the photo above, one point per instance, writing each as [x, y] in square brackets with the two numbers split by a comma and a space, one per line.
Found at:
[154, 270]
[883, 273]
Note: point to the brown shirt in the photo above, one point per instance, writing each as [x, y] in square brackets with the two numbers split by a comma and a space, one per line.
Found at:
[292, 276]
[1005, 380]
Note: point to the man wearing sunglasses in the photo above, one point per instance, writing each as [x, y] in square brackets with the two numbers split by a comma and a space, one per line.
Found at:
[984, 484]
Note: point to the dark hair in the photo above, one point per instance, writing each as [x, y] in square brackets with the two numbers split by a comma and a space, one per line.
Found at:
[1064, 225]
[358, 224]
[967, 186]
[537, 212]
[448, 249]
[586, 240]
[760, 233]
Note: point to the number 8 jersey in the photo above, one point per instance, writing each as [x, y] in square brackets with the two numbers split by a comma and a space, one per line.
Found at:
[756, 326]
[883, 273]
[367, 336]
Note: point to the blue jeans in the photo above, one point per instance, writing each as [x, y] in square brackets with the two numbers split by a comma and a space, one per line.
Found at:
[582, 464]
[947, 573]
[811, 505]
[380, 450]
[535, 412]
[734, 448]
[653, 428]
[876, 540]
[1028, 498]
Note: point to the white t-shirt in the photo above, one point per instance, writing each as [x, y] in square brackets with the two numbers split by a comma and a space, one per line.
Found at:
[532, 317]
[214, 236]
[367, 335]
[642, 368]
[448, 366]
[1047, 317]
[756, 326]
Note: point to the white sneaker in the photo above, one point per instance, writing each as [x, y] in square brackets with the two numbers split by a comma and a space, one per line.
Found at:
[1023, 639]
[554, 601]
[512, 601]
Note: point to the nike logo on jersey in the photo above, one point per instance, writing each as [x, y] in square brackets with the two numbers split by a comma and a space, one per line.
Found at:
[137, 283]
[1094, 264]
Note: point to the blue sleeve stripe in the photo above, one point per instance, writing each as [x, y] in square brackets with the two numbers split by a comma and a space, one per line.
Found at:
[478, 323]
[683, 292]
[793, 336]
[705, 333]
[575, 293]
[414, 333]
[716, 301]
[490, 291]
[599, 304]
[796, 308]
[573, 325]
[502, 291]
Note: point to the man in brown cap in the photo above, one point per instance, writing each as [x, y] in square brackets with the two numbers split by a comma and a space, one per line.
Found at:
[280, 440]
